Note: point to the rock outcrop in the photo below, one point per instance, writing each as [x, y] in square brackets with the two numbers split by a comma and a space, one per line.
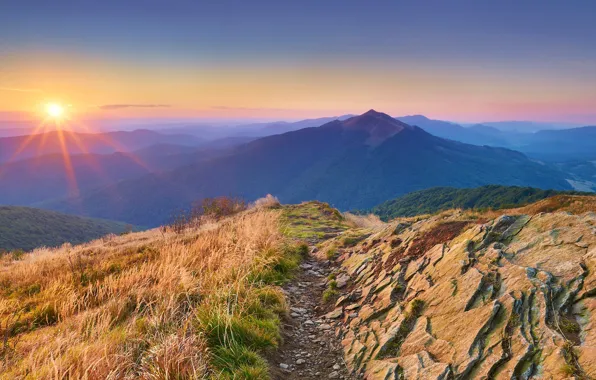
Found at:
[454, 296]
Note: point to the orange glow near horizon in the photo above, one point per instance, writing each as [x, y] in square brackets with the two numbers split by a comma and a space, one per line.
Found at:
[106, 89]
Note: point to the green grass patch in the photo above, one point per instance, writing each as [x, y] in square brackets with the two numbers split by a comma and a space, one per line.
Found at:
[312, 221]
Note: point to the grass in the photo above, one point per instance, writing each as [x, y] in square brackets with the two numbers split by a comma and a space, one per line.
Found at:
[153, 304]
[312, 221]
[331, 253]
[329, 295]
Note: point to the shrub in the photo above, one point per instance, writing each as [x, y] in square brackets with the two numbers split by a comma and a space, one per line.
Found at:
[217, 207]
[269, 201]
[329, 295]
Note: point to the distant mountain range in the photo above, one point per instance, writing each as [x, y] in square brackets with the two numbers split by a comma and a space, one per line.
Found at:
[548, 145]
[355, 163]
[22, 147]
[28, 228]
[33, 181]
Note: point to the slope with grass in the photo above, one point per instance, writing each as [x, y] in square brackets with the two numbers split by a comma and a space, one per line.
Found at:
[461, 294]
[28, 228]
[444, 198]
[203, 302]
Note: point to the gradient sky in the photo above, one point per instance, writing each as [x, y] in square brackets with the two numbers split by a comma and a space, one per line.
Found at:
[457, 60]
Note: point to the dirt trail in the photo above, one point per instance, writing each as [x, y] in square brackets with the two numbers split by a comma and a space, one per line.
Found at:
[311, 349]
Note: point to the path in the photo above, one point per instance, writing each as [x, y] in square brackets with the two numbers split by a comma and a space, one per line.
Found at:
[310, 349]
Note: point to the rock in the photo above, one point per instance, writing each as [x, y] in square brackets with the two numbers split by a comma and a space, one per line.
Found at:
[340, 300]
[308, 322]
[469, 287]
[324, 326]
[334, 375]
[335, 313]
[306, 266]
[342, 281]
[300, 361]
[283, 366]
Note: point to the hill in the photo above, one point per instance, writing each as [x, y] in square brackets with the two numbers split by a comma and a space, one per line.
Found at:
[355, 163]
[461, 294]
[436, 199]
[28, 228]
[203, 302]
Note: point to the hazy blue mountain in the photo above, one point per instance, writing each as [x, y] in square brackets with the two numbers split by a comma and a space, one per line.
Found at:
[33, 181]
[563, 145]
[23, 147]
[355, 163]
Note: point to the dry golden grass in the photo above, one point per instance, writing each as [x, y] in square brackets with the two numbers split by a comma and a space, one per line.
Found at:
[364, 221]
[151, 305]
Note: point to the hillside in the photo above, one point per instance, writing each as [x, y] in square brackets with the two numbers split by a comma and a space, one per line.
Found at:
[28, 228]
[471, 295]
[461, 294]
[436, 199]
[203, 302]
[356, 163]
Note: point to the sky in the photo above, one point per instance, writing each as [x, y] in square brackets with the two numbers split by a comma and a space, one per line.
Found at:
[466, 61]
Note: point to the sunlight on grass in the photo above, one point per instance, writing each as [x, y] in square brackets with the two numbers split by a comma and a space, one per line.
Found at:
[204, 303]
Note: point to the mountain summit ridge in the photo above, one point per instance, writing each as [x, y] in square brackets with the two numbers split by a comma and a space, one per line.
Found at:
[380, 126]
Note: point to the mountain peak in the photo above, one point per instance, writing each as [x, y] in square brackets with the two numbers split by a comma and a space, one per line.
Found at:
[378, 125]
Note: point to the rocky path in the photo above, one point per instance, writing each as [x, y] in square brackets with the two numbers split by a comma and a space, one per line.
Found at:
[311, 350]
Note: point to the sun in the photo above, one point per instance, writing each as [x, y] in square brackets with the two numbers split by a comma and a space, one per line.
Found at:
[55, 111]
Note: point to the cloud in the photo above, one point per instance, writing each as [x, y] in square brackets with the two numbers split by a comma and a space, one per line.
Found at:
[15, 89]
[249, 108]
[120, 106]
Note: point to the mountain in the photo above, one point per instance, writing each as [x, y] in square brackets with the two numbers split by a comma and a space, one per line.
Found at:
[526, 126]
[477, 134]
[355, 163]
[31, 182]
[22, 147]
[248, 130]
[28, 228]
[429, 201]
[563, 145]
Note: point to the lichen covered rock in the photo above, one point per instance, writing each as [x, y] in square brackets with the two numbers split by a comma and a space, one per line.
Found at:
[451, 295]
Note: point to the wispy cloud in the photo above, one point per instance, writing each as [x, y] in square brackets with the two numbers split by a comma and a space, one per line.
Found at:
[119, 106]
[16, 89]
[249, 108]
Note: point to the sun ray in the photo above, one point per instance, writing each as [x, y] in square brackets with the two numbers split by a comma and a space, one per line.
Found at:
[70, 174]
[118, 147]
